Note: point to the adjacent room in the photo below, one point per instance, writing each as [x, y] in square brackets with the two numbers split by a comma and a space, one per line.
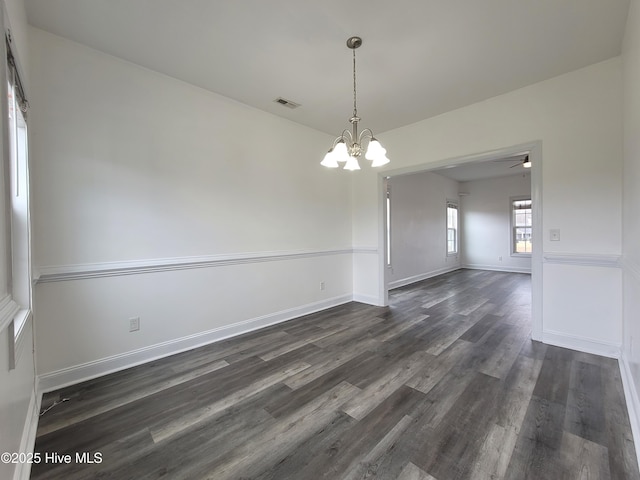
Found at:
[187, 291]
[477, 215]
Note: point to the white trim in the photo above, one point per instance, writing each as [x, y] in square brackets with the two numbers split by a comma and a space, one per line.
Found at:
[368, 299]
[135, 267]
[79, 373]
[385, 259]
[632, 268]
[28, 439]
[20, 342]
[365, 249]
[494, 268]
[633, 403]
[537, 321]
[423, 276]
[8, 310]
[454, 204]
[630, 388]
[583, 259]
[512, 225]
[582, 344]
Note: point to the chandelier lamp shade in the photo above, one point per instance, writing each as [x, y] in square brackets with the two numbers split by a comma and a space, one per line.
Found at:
[349, 146]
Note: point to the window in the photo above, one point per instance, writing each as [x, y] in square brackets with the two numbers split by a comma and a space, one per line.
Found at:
[17, 196]
[452, 228]
[521, 226]
[388, 222]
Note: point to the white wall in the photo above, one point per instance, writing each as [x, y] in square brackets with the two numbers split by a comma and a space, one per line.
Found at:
[367, 224]
[486, 220]
[18, 400]
[157, 199]
[631, 219]
[577, 117]
[418, 227]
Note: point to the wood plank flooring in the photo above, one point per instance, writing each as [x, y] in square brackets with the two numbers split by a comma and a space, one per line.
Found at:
[443, 384]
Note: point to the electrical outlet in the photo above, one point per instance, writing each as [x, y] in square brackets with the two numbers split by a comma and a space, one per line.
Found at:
[499, 259]
[134, 324]
[321, 285]
[554, 234]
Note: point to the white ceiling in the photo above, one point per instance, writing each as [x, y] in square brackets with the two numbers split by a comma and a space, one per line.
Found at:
[419, 58]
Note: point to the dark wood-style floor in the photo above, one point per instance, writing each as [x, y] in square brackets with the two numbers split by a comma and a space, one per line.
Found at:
[443, 384]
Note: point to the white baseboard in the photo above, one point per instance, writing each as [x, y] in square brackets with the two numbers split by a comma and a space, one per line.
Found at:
[633, 403]
[368, 299]
[582, 344]
[28, 440]
[423, 276]
[79, 373]
[496, 268]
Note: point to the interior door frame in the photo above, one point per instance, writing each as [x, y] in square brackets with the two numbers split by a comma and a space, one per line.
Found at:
[534, 148]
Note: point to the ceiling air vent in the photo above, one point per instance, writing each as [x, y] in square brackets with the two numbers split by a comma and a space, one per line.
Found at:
[286, 103]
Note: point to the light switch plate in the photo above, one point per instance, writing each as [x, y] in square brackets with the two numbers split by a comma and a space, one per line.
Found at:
[554, 234]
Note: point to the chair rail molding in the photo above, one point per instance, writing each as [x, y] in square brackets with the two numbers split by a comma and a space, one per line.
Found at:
[61, 273]
[365, 249]
[583, 259]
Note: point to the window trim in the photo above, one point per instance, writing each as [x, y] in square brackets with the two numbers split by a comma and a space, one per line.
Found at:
[387, 220]
[456, 230]
[16, 313]
[512, 227]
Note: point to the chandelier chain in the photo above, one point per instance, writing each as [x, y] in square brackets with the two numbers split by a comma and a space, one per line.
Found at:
[355, 109]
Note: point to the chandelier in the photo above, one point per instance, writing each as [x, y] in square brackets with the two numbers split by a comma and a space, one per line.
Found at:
[349, 145]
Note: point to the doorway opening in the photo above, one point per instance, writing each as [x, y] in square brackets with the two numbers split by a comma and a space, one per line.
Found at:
[486, 163]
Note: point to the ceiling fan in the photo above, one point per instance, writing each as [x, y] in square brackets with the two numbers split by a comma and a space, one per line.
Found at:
[522, 162]
[525, 163]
